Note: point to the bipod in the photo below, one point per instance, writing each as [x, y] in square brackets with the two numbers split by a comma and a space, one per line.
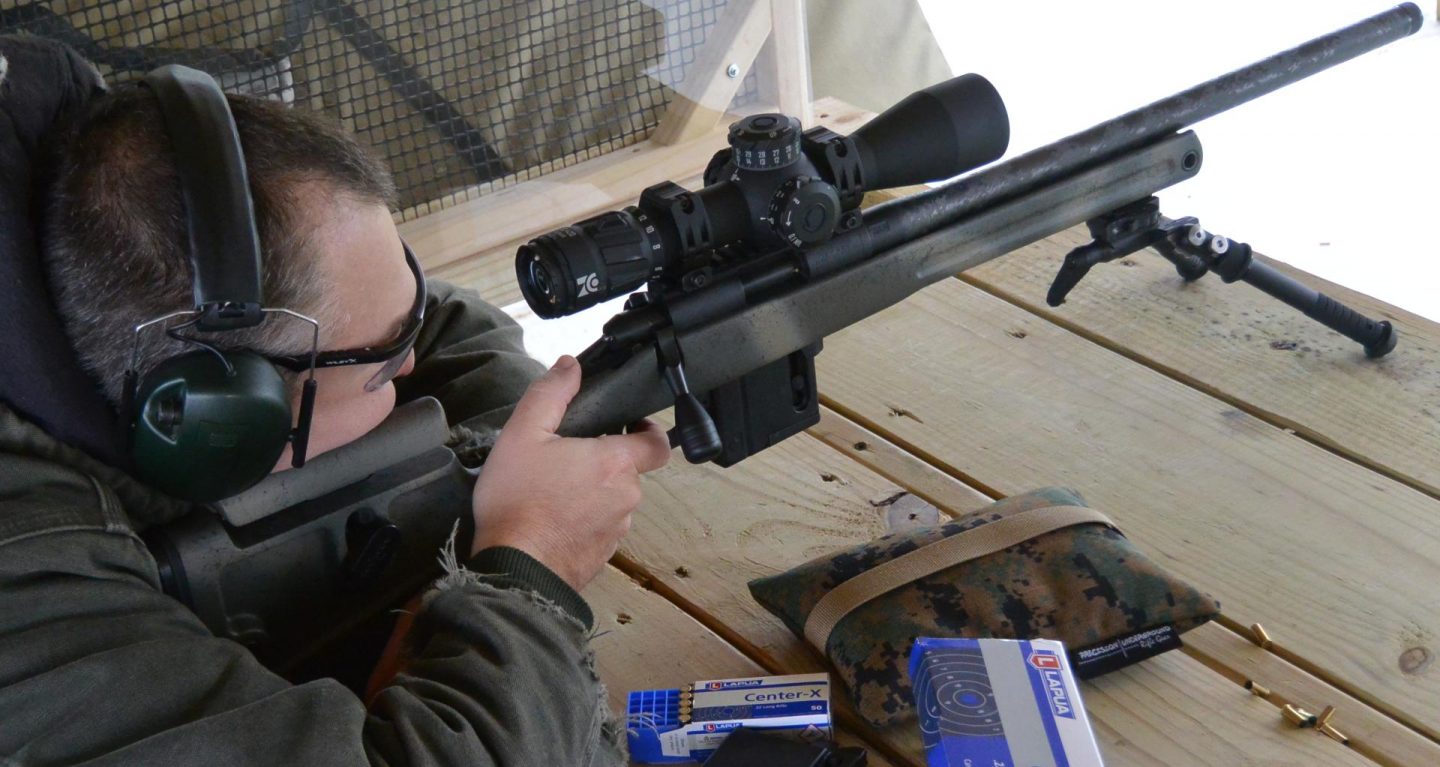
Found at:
[1194, 252]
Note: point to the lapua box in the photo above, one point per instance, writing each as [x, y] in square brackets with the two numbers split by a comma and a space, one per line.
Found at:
[687, 724]
[1000, 703]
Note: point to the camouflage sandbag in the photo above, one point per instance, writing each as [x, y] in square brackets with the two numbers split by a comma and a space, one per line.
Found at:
[1084, 584]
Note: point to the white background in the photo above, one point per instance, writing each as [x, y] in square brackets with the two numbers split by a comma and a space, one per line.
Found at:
[1338, 174]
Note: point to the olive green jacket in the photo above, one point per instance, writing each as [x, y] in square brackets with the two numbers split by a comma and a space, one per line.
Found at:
[97, 666]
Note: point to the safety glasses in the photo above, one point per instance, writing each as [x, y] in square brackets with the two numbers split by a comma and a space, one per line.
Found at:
[392, 354]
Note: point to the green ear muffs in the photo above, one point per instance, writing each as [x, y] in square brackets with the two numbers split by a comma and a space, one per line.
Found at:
[204, 429]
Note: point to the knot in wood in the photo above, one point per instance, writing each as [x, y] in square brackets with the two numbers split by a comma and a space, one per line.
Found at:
[1415, 660]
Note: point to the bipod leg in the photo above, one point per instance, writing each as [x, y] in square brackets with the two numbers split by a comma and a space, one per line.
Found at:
[1117, 234]
[1234, 261]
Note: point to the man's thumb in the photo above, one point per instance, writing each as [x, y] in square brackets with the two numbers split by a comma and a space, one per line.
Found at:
[544, 403]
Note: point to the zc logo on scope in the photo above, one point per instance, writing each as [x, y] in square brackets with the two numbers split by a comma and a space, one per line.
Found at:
[588, 284]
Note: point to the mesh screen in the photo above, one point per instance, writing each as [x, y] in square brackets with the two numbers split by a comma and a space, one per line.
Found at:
[461, 97]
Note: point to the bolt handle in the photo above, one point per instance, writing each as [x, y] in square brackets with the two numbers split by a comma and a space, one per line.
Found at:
[694, 431]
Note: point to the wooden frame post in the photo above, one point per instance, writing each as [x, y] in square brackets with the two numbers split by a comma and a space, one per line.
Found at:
[732, 48]
[715, 75]
[791, 71]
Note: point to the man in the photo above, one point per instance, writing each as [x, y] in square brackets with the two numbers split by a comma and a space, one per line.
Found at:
[96, 664]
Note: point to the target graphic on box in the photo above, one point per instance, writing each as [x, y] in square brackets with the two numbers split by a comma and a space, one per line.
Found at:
[957, 696]
[999, 703]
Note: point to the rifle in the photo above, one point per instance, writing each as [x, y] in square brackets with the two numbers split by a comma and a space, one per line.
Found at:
[745, 278]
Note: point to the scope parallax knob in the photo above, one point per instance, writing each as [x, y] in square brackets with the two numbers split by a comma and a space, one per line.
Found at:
[765, 142]
[805, 211]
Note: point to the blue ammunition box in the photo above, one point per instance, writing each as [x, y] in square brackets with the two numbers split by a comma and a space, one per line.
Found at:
[687, 725]
[1000, 703]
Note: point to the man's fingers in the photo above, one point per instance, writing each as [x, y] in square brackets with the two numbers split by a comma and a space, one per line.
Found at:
[544, 403]
[649, 448]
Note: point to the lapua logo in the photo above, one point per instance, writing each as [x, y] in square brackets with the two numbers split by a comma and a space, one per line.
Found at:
[1049, 668]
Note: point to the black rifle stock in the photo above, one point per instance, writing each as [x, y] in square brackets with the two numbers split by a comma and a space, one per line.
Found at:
[315, 550]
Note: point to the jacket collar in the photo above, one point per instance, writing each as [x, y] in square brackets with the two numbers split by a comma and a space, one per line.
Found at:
[144, 505]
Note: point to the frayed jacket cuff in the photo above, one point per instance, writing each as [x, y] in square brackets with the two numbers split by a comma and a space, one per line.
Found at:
[508, 567]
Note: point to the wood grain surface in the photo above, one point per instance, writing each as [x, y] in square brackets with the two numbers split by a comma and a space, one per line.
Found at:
[1235, 656]
[703, 532]
[1335, 559]
[1369, 732]
[1252, 351]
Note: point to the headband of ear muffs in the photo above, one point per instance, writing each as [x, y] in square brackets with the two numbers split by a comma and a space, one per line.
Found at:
[207, 424]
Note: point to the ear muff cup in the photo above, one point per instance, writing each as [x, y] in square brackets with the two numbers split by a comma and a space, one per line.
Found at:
[202, 432]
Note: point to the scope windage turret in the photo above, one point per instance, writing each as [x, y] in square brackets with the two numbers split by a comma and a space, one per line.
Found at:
[775, 188]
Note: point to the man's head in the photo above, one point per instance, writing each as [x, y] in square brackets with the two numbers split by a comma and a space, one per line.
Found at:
[116, 246]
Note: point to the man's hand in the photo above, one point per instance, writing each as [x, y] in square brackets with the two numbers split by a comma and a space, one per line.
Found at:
[566, 502]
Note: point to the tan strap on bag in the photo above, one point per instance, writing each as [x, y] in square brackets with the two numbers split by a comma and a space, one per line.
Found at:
[934, 557]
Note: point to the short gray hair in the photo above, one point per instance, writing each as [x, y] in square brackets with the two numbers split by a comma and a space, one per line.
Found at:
[116, 242]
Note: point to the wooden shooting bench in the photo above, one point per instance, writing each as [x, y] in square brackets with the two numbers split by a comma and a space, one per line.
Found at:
[1250, 450]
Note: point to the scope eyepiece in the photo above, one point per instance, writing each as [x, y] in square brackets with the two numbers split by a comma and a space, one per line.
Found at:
[575, 267]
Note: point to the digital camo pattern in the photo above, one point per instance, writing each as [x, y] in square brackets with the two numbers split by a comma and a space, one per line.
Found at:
[1081, 585]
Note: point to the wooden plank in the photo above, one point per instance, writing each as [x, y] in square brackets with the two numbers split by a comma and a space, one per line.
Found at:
[643, 642]
[703, 532]
[792, 59]
[1282, 532]
[700, 101]
[885, 458]
[1370, 733]
[1171, 711]
[1252, 351]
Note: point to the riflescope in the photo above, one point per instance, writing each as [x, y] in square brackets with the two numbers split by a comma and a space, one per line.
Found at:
[774, 189]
